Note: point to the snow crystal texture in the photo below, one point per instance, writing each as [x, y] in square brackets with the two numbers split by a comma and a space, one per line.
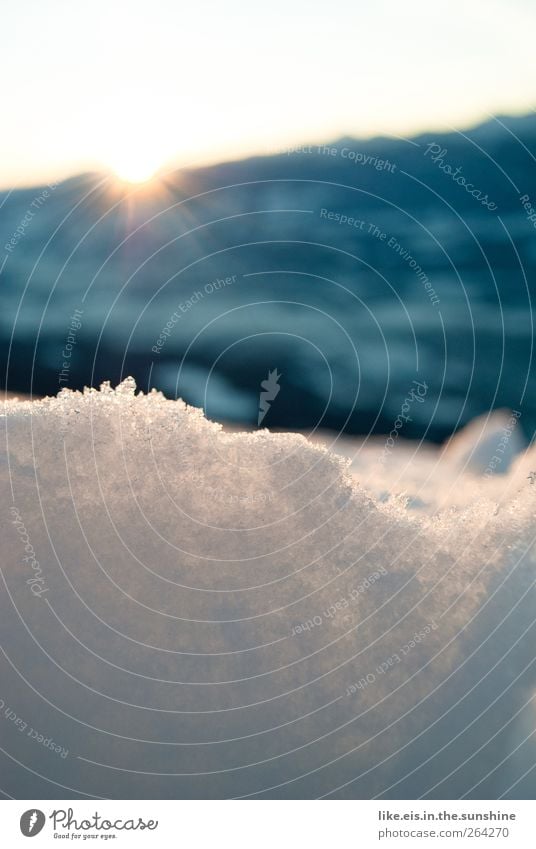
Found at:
[190, 613]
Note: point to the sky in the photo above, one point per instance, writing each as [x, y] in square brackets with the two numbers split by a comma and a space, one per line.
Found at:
[136, 86]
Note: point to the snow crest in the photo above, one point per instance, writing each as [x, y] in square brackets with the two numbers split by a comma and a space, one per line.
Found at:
[191, 613]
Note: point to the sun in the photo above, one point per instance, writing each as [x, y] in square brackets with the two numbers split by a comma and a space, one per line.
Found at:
[135, 167]
[135, 157]
[138, 140]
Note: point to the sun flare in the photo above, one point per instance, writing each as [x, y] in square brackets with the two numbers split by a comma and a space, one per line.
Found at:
[135, 169]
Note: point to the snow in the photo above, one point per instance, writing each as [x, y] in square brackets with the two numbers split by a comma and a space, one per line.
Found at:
[210, 614]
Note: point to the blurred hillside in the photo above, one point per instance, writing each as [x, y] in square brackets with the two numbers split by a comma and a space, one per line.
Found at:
[352, 268]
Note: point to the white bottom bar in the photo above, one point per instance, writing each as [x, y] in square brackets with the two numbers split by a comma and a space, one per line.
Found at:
[269, 824]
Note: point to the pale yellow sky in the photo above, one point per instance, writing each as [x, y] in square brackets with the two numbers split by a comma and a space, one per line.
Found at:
[135, 86]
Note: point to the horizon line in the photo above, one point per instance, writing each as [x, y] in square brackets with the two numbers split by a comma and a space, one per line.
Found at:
[219, 160]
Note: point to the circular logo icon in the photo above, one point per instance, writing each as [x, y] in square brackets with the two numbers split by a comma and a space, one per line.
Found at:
[32, 822]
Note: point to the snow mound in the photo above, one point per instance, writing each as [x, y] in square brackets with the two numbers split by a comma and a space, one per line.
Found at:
[187, 612]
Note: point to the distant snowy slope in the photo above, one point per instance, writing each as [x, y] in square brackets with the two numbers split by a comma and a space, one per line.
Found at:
[352, 268]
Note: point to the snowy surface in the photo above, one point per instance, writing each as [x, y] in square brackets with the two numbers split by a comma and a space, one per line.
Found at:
[486, 460]
[187, 612]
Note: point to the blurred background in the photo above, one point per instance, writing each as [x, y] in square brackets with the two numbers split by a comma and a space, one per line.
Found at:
[198, 195]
